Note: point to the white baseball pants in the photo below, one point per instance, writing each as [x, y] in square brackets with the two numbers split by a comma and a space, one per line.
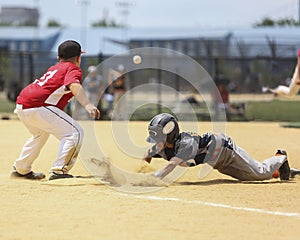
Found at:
[41, 122]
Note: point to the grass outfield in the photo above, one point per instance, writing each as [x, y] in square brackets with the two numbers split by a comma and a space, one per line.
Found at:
[259, 107]
[6, 106]
[275, 110]
[291, 125]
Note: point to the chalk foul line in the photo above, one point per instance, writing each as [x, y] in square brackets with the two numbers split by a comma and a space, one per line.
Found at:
[211, 204]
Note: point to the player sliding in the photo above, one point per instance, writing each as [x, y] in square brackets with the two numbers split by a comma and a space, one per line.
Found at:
[294, 86]
[40, 108]
[218, 150]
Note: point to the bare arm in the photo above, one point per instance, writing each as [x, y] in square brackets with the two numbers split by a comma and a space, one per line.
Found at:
[78, 92]
[174, 161]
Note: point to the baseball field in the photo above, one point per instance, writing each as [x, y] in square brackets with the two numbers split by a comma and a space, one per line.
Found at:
[216, 207]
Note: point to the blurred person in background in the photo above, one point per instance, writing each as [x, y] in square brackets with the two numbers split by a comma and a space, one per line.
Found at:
[92, 85]
[292, 89]
[221, 102]
[117, 81]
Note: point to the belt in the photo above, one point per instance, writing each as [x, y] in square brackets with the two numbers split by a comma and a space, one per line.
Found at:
[19, 106]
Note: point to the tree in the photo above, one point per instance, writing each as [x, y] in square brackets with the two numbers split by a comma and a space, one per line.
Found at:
[287, 22]
[53, 23]
[105, 23]
[268, 22]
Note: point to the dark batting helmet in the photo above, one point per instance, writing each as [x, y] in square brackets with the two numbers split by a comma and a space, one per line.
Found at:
[163, 127]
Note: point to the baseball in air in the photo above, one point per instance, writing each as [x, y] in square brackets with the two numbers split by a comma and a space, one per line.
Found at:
[137, 59]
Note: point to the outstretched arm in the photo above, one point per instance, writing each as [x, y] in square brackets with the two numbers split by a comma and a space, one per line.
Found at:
[169, 167]
[78, 92]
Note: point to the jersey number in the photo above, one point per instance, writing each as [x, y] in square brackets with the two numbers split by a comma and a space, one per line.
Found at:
[48, 75]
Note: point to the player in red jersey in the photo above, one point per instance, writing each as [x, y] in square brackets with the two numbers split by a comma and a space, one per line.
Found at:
[40, 108]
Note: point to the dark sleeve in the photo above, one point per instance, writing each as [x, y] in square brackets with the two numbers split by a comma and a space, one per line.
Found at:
[203, 144]
[204, 140]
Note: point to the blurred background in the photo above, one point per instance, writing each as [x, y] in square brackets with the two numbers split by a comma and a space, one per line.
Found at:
[242, 46]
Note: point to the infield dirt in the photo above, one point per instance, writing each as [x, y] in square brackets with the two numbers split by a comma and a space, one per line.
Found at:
[217, 207]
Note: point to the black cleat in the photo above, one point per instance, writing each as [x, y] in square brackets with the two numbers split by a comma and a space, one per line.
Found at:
[280, 152]
[294, 172]
[284, 170]
[31, 175]
[54, 176]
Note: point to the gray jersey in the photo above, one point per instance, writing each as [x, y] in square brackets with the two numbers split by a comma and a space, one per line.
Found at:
[222, 153]
[190, 147]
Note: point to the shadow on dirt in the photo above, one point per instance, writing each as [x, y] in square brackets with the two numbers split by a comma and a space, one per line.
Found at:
[230, 181]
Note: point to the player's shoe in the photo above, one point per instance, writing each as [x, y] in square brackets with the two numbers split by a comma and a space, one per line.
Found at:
[31, 175]
[284, 170]
[275, 174]
[54, 176]
[265, 89]
[294, 172]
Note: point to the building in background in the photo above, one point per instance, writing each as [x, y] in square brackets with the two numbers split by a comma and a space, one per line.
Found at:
[241, 55]
[19, 16]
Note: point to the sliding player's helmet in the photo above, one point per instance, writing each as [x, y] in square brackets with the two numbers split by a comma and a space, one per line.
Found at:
[163, 127]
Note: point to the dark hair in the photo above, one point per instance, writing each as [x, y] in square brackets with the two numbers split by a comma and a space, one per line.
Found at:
[68, 49]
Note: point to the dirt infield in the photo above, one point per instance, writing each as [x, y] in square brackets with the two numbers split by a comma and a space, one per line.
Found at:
[217, 207]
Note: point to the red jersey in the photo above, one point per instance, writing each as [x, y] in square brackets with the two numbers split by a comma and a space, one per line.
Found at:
[51, 89]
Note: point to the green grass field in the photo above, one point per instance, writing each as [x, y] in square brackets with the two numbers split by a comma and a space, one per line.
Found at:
[6, 106]
[275, 110]
[256, 110]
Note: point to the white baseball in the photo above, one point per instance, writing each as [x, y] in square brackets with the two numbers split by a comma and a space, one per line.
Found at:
[137, 59]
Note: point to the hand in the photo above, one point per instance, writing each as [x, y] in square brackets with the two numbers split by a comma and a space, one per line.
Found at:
[147, 158]
[93, 111]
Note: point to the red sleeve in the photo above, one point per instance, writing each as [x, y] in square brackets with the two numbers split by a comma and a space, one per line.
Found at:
[74, 75]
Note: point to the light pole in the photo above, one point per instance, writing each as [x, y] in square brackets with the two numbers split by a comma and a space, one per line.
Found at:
[84, 7]
[299, 11]
[124, 6]
[37, 28]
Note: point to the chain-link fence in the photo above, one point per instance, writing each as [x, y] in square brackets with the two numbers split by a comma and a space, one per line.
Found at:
[245, 74]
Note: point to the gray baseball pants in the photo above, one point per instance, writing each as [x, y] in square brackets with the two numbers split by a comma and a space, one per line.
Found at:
[230, 159]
